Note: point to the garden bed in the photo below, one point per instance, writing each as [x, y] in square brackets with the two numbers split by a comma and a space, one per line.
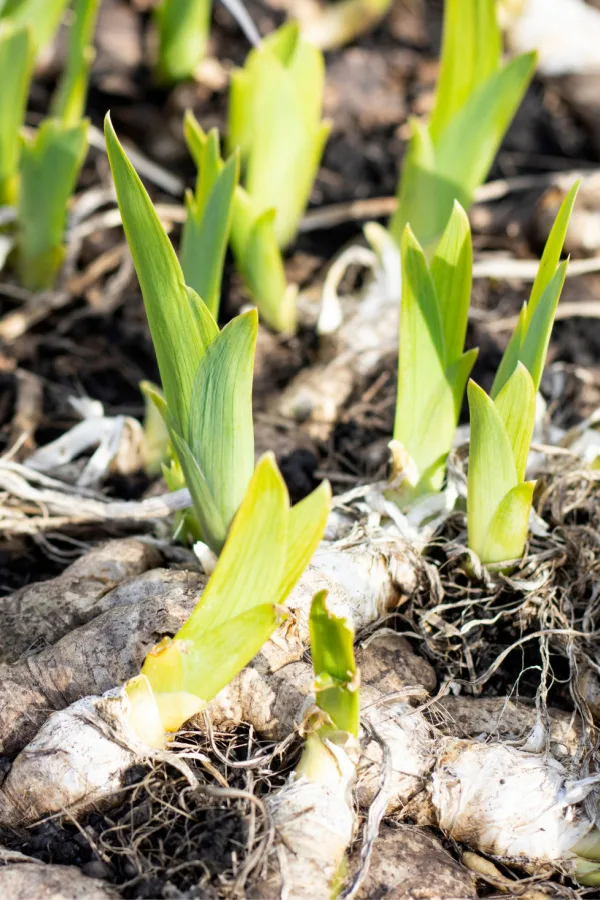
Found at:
[510, 657]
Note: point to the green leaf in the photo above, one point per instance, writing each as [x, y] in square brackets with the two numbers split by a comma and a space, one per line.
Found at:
[206, 507]
[183, 30]
[205, 322]
[177, 342]
[68, 102]
[510, 357]
[507, 533]
[206, 153]
[534, 346]
[492, 471]
[552, 251]
[306, 525]
[336, 677]
[16, 58]
[204, 667]
[250, 568]
[221, 435]
[261, 265]
[274, 120]
[206, 229]
[516, 405]
[422, 357]
[50, 165]
[41, 16]
[420, 190]
[156, 434]
[451, 271]
[471, 47]
[466, 148]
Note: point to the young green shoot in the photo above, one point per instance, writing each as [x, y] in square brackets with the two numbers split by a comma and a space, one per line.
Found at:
[68, 102]
[432, 366]
[476, 99]
[268, 547]
[206, 374]
[50, 164]
[42, 17]
[183, 29]
[275, 120]
[498, 496]
[209, 213]
[337, 720]
[260, 263]
[16, 60]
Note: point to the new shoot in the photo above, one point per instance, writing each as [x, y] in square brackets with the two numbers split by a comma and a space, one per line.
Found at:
[275, 107]
[432, 366]
[16, 60]
[42, 17]
[68, 102]
[182, 29]
[498, 496]
[209, 211]
[313, 813]
[50, 164]
[81, 754]
[206, 373]
[476, 99]
[275, 121]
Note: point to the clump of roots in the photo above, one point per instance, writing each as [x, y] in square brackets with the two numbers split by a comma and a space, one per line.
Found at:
[532, 634]
[166, 838]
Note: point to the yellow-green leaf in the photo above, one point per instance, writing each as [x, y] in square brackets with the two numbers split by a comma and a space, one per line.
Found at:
[507, 533]
[306, 526]
[451, 271]
[552, 251]
[492, 471]
[516, 405]
[336, 677]
[250, 568]
[175, 335]
[221, 435]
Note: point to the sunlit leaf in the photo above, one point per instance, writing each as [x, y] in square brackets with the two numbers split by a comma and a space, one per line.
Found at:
[42, 17]
[507, 533]
[221, 434]
[516, 405]
[183, 29]
[553, 250]
[68, 102]
[471, 48]
[451, 271]
[422, 358]
[336, 681]
[492, 471]
[250, 567]
[16, 58]
[510, 357]
[175, 334]
[209, 213]
[50, 165]
[536, 339]
[306, 525]
[181, 668]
